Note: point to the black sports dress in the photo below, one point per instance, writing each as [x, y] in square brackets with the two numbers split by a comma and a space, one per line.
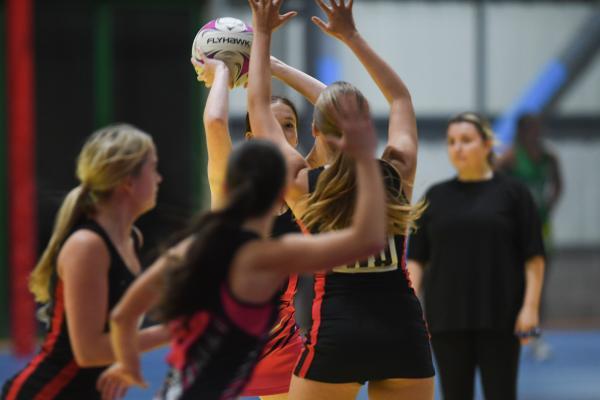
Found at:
[367, 323]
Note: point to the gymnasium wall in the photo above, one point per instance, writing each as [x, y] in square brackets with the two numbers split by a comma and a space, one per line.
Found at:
[433, 46]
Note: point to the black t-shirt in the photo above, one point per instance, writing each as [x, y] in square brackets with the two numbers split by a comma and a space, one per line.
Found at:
[475, 238]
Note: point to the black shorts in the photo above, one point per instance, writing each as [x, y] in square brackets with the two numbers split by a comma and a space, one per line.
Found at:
[365, 327]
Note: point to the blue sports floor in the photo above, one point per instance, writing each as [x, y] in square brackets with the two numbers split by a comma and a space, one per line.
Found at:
[573, 372]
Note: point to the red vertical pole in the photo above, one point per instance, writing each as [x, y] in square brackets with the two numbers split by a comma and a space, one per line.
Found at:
[21, 170]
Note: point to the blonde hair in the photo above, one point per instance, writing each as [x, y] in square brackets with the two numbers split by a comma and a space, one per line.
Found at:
[108, 156]
[483, 127]
[330, 206]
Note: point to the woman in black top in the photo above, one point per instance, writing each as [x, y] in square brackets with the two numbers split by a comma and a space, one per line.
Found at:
[222, 281]
[481, 243]
[88, 264]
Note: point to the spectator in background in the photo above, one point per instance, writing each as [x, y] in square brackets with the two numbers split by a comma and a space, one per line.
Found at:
[480, 239]
[532, 163]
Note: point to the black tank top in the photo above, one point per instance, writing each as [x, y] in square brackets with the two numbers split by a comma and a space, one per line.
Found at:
[284, 224]
[53, 373]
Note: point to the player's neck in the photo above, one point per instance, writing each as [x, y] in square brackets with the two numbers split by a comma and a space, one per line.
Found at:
[484, 173]
[116, 221]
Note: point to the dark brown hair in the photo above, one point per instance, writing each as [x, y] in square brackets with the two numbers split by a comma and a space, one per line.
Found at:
[275, 99]
[255, 177]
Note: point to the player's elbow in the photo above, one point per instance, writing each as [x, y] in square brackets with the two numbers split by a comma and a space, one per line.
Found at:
[258, 105]
[87, 358]
[118, 316]
[214, 122]
[401, 98]
[84, 362]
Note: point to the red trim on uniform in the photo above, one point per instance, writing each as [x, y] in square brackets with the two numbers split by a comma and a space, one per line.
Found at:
[57, 319]
[403, 261]
[316, 316]
[61, 380]
[290, 291]
[184, 335]
[404, 252]
[407, 275]
[303, 227]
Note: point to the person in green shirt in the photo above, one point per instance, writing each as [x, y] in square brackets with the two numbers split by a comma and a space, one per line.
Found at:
[531, 162]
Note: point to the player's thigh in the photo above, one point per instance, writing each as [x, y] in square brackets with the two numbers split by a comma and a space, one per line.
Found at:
[397, 389]
[281, 396]
[306, 389]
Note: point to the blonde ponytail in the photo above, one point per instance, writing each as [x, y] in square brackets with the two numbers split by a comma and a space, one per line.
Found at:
[72, 208]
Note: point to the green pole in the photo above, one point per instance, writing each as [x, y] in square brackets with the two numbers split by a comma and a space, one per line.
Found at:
[103, 65]
[4, 278]
[198, 143]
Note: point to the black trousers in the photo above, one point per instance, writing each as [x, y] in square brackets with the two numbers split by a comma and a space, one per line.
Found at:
[496, 354]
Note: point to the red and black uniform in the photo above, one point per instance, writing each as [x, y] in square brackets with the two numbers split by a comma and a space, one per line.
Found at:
[53, 373]
[273, 372]
[213, 352]
[367, 323]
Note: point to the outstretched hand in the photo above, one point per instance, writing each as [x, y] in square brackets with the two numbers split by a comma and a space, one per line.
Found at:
[359, 139]
[266, 17]
[340, 22]
[206, 69]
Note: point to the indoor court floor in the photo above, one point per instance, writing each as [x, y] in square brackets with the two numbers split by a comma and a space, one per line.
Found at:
[572, 373]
